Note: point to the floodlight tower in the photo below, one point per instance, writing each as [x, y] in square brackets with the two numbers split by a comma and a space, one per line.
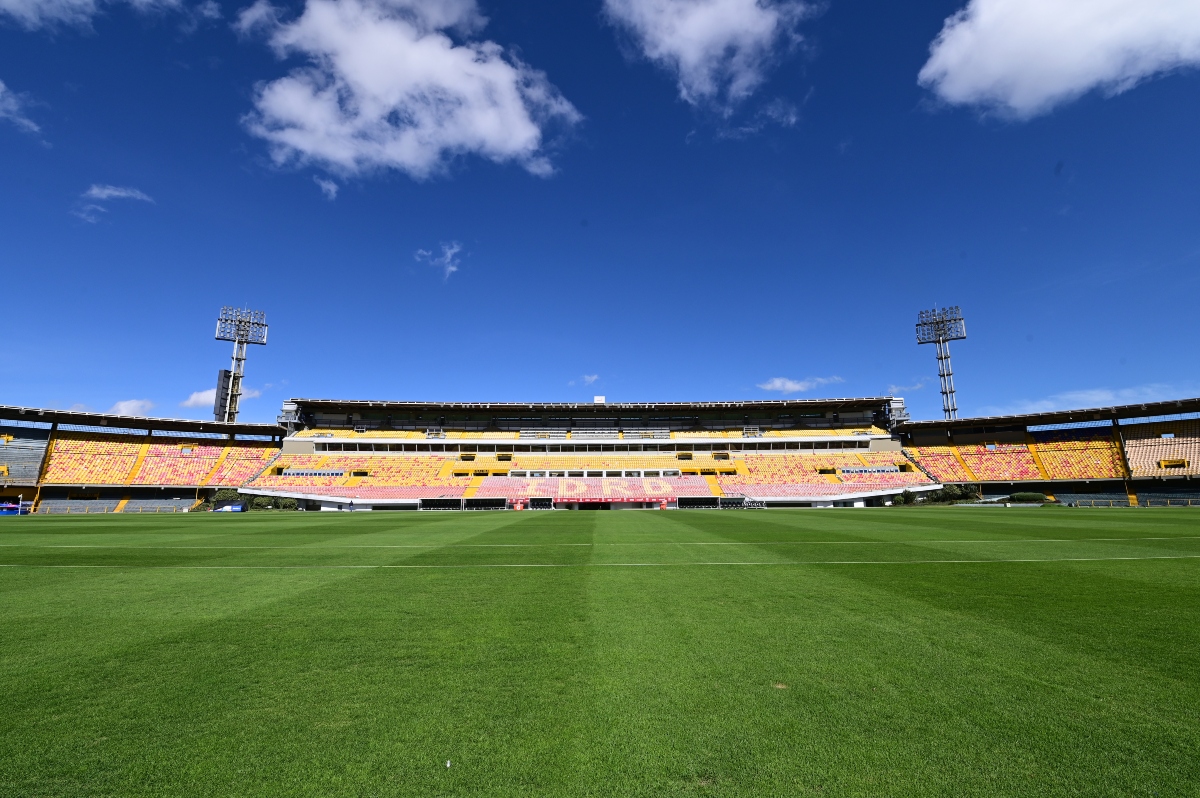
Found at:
[940, 327]
[242, 327]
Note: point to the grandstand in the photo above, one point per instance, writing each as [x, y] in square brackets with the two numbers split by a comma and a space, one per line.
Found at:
[73, 462]
[332, 454]
[1139, 455]
[392, 455]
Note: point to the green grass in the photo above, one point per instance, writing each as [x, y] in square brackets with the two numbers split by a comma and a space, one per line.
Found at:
[947, 651]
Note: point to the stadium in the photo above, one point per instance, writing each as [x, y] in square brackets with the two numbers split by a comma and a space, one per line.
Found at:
[378, 455]
[595, 451]
[800, 607]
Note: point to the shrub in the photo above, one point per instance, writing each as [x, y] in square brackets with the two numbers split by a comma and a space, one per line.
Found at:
[946, 495]
[1027, 498]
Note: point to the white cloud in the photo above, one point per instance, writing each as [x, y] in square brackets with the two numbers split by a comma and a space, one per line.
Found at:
[1023, 57]
[209, 397]
[33, 14]
[718, 50]
[1091, 397]
[102, 192]
[386, 87]
[200, 399]
[448, 261]
[132, 407]
[12, 108]
[90, 211]
[262, 16]
[328, 187]
[894, 390]
[588, 379]
[785, 385]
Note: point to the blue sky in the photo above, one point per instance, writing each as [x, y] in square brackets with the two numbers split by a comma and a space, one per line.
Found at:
[646, 199]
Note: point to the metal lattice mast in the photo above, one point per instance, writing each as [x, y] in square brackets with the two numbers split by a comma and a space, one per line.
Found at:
[940, 327]
[242, 327]
[946, 376]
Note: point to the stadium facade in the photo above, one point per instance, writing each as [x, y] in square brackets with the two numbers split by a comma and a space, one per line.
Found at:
[378, 455]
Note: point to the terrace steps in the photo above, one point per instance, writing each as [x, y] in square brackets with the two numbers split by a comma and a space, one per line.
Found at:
[958, 456]
[1037, 458]
[143, 450]
[217, 467]
[473, 487]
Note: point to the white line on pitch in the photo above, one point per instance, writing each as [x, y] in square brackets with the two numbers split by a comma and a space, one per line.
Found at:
[598, 564]
[593, 545]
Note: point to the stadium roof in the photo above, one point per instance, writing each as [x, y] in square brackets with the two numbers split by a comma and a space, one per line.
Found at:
[8, 413]
[335, 405]
[1144, 410]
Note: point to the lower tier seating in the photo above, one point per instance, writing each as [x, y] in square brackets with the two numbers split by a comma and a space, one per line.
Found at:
[599, 477]
[157, 505]
[308, 473]
[1169, 499]
[584, 489]
[1093, 499]
[75, 506]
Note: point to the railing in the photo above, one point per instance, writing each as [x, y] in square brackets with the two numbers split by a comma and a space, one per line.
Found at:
[105, 510]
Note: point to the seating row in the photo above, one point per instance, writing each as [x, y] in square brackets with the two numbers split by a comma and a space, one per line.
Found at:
[83, 459]
[1165, 449]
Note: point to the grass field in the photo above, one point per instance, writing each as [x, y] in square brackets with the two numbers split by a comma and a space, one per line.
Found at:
[885, 652]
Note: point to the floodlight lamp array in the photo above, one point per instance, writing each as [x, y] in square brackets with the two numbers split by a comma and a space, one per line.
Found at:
[242, 326]
[936, 325]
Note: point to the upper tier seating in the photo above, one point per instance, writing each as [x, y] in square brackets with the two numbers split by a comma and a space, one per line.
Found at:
[1153, 455]
[941, 462]
[97, 459]
[803, 432]
[370, 433]
[1000, 462]
[242, 463]
[22, 450]
[611, 433]
[594, 461]
[646, 434]
[1089, 453]
[545, 434]
[707, 433]
[178, 463]
[497, 435]
[78, 458]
